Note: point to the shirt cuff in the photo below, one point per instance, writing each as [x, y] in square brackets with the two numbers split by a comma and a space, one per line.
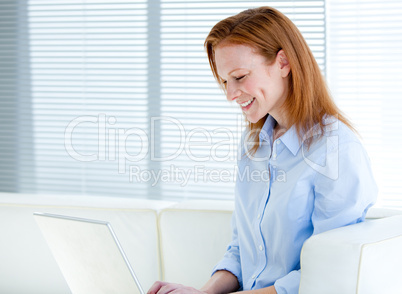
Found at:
[230, 266]
[288, 284]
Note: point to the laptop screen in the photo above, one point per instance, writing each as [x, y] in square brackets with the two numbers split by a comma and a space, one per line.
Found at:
[89, 255]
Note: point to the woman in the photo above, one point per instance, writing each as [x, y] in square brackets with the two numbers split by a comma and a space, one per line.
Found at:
[319, 174]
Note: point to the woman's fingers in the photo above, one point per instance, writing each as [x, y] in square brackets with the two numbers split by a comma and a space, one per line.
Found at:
[166, 288]
[170, 288]
[156, 287]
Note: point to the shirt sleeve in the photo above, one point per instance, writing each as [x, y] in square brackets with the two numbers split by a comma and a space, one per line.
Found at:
[231, 259]
[343, 192]
[344, 199]
[289, 284]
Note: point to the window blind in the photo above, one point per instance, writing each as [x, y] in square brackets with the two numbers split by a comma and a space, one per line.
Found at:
[117, 98]
[8, 103]
[82, 88]
[365, 74]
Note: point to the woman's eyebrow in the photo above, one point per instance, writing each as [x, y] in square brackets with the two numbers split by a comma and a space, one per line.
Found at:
[239, 68]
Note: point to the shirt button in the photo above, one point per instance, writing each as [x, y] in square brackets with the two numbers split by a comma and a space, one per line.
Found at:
[274, 156]
[260, 247]
[278, 141]
[253, 277]
[258, 216]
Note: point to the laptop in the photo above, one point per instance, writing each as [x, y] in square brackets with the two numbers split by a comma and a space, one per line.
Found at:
[89, 255]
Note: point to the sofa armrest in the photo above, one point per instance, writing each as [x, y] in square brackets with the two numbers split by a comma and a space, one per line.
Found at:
[363, 258]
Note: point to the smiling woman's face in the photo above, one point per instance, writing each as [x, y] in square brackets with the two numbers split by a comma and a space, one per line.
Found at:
[257, 87]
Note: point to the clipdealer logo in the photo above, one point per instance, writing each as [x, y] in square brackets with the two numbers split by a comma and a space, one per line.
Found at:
[113, 144]
[199, 173]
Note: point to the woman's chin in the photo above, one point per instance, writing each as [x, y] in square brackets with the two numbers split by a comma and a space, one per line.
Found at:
[252, 119]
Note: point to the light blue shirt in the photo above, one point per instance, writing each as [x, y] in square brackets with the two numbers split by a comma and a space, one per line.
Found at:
[305, 192]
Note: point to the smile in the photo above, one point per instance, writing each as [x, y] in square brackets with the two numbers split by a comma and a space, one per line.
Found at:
[247, 102]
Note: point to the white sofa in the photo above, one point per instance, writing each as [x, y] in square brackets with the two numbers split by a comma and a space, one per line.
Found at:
[181, 242]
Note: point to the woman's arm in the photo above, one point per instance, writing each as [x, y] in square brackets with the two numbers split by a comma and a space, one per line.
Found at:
[268, 290]
[221, 282]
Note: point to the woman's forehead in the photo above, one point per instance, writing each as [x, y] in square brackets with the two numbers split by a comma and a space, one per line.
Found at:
[230, 57]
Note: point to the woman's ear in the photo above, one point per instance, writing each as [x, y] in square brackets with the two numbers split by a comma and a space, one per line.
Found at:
[283, 63]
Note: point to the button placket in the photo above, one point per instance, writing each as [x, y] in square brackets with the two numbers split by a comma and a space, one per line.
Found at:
[259, 247]
[273, 156]
[259, 237]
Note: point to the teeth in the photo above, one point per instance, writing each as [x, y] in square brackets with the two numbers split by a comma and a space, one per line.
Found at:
[247, 102]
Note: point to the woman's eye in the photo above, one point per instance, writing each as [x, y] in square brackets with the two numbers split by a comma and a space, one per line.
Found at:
[239, 78]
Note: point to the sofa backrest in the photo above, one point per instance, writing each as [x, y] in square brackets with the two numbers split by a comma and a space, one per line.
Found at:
[193, 238]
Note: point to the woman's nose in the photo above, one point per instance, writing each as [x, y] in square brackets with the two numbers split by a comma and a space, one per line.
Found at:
[232, 92]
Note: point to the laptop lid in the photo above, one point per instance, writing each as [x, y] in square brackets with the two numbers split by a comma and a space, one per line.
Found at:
[89, 254]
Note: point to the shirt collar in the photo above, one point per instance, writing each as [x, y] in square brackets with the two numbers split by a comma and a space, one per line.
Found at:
[289, 139]
[266, 132]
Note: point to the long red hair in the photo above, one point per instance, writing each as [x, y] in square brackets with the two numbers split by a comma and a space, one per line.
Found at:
[269, 31]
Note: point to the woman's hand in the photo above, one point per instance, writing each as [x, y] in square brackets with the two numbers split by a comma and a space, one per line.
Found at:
[221, 282]
[164, 288]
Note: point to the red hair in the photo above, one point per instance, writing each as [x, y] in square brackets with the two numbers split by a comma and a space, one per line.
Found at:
[269, 31]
